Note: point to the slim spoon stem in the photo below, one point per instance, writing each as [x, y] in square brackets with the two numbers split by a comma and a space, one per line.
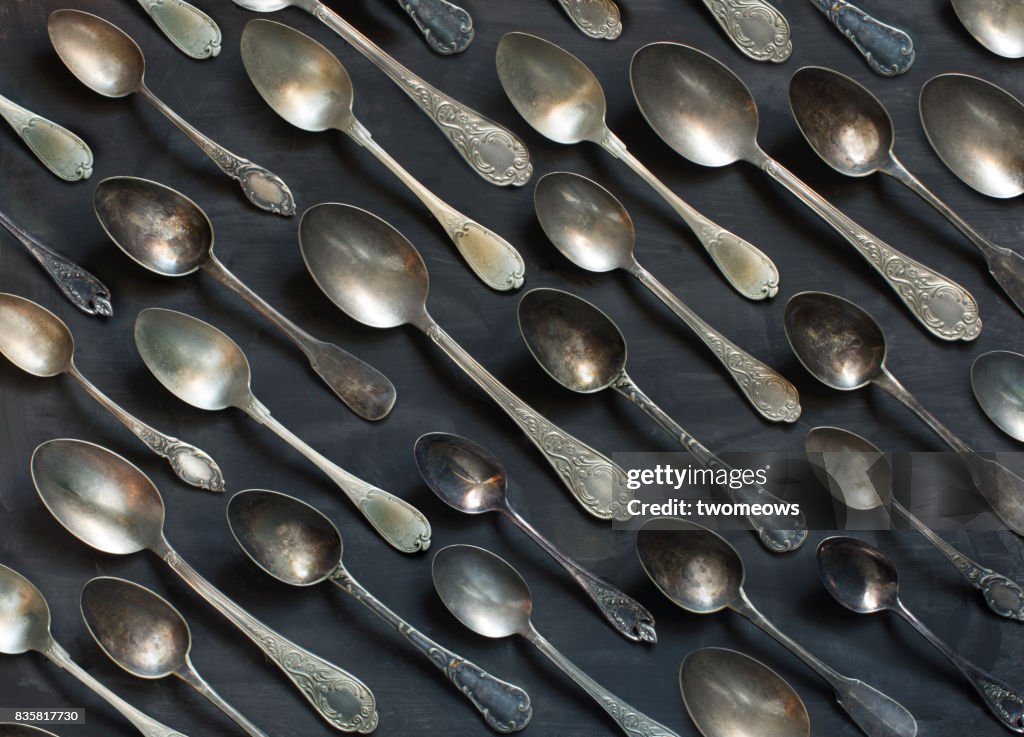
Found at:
[192, 678]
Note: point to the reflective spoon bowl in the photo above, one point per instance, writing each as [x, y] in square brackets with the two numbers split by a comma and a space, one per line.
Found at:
[997, 379]
[998, 25]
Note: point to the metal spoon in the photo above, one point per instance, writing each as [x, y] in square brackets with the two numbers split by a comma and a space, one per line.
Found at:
[186, 26]
[851, 131]
[887, 50]
[562, 99]
[729, 694]
[706, 114]
[844, 348]
[493, 151]
[106, 60]
[299, 546]
[997, 378]
[467, 477]
[858, 474]
[446, 27]
[702, 573]
[25, 626]
[864, 580]
[39, 343]
[143, 634]
[757, 28]
[489, 596]
[110, 505]
[593, 230]
[164, 231]
[998, 25]
[595, 18]
[59, 150]
[370, 271]
[307, 86]
[202, 366]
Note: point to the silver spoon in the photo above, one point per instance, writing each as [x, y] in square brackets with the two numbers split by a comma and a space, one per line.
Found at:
[467, 477]
[25, 626]
[757, 28]
[593, 230]
[164, 231]
[998, 25]
[307, 86]
[106, 60]
[595, 18]
[852, 132]
[39, 343]
[296, 544]
[702, 573]
[491, 150]
[446, 27]
[142, 633]
[489, 597]
[202, 366]
[706, 114]
[864, 580]
[887, 50]
[562, 99]
[186, 26]
[370, 271]
[110, 505]
[59, 150]
[997, 379]
[858, 474]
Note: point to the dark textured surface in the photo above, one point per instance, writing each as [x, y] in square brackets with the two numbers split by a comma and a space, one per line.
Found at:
[128, 137]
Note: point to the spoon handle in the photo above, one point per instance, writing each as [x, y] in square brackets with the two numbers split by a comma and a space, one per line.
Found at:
[504, 706]
[945, 308]
[770, 393]
[447, 28]
[755, 27]
[494, 152]
[338, 696]
[595, 18]
[887, 50]
[197, 682]
[191, 30]
[263, 188]
[60, 150]
[495, 262]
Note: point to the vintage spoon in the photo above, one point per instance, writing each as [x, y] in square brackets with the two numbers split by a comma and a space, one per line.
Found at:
[370, 271]
[203, 367]
[166, 232]
[757, 28]
[467, 477]
[299, 546]
[110, 505]
[489, 596]
[844, 348]
[706, 114]
[25, 626]
[852, 132]
[859, 475]
[446, 27]
[307, 86]
[59, 150]
[593, 230]
[595, 18]
[997, 378]
[186, 26]
[702, 573]
[729, 694]
[887, 50]
[39, 343]
[998, 25]
[562, 99]
[493, 151]
[864, 580]
[582, 349]
[106, 60]
[143, 634]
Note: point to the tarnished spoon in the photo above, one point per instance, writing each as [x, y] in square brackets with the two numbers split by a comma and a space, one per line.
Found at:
[595, 18]
[186, 26]
[997, 379]
[887, 50]
[446, 27]
[998, 25]
[59, 150]
[757, 28]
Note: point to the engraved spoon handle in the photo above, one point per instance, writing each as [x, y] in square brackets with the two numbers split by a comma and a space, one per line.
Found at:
[755, 27]
[887, 50]
[191, 30]
[447, 28]
[60, 150]
[192, 678]
[595, 18]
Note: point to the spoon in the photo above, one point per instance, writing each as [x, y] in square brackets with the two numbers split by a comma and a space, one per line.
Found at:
[25, 626]
[844, 348]
[106, 60]
[39, 343]
[997, 378]
[489, 597]
[299, 546]
[186, 26]
[757, 28]
[852, 132]
[375, 276]
[11, 729]
[110, 505]
[562, 99]
[858, 474]
[864, 580]
[593, 230]
[203, 367]
[491, 150]
[467, 477]
[164, 231]
[706, 114]
[702, 573]
[446, 27]
[595, 18]
[998, 25]
[307, 86]
[887, 50]
[977, 129]
[61, 151]
[143, 634]
[729, 694]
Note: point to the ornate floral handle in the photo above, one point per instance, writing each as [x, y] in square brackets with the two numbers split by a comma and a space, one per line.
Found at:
[60, 150]
[596, 18]
[756, 28]
[191, 30]
[887, 50]
[447, 28]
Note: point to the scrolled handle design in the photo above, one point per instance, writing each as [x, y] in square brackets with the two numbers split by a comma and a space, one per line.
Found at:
[61, 151]
[745, 23]
[190, 464]
[624, 612]
[887, 50]
[595, 18]
[447, 28]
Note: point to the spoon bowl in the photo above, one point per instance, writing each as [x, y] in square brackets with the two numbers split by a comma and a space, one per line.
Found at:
[33, 338]
[24, 615]
[998, 25]
[482, 591]
[465, 476]
[857, 575]
[997, 378]
[852, 468]
[98, 53]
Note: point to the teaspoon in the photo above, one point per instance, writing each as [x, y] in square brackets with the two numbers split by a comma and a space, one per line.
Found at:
[997, 379]
[705, 113]
[595, 18]
[998, 25]
[106, 60]
[446, 27]
[191, 30]
[757, 28]
[61, 151]
[887, 50]
[562, 99]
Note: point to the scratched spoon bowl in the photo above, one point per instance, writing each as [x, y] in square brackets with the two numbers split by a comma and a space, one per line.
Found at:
[997, 379]
[998, 25]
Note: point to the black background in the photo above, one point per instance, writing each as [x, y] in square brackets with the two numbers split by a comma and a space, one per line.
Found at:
[128, 137]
